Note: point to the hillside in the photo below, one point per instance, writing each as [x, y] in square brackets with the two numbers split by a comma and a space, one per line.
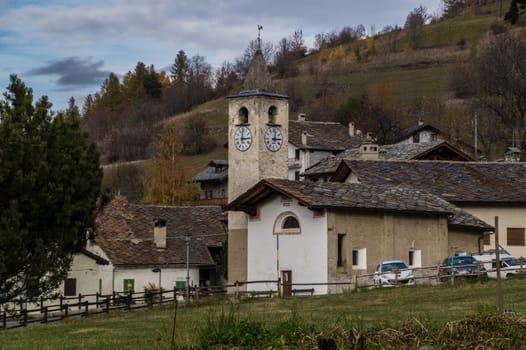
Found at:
[418, 81]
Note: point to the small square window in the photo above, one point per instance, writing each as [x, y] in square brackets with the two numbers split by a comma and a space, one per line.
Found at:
[359, 258]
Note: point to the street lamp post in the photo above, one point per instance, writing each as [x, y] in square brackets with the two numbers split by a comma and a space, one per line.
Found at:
[187, 238]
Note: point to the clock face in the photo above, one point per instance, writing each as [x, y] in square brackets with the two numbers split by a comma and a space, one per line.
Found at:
[242, 138]
[273, 138]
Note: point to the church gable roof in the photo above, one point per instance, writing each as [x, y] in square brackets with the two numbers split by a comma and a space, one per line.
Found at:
[360, 197]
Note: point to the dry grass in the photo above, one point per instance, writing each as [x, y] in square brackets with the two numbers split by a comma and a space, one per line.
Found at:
[448, 315]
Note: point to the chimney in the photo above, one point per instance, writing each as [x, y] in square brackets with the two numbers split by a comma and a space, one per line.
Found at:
[304, 138]
[159, 233]
[301, 117]
[351, 129]
[369, 151]
[420, 122]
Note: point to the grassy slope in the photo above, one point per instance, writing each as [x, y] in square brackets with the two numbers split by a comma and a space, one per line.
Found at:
[366, 310]
[413, 76]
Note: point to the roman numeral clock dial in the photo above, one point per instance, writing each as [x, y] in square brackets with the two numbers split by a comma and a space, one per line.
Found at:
[242, 138]
[273, 138]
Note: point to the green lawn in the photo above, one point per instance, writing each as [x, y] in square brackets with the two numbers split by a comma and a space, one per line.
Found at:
[369, 310]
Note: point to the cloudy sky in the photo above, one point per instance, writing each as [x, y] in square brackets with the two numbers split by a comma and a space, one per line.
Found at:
[64, 48]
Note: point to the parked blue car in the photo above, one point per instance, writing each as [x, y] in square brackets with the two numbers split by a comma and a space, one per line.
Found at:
[461, 267]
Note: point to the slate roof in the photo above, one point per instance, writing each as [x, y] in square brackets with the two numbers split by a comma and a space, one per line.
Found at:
[211, 173]
[328, 136]
[125, 233]
[406, 151]
[456, 182]
[375, 198]
[409, 151]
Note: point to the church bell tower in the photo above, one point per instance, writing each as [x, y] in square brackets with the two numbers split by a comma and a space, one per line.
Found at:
[258, 119]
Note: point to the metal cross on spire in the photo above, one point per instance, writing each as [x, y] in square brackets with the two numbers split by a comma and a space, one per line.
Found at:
[259, 36]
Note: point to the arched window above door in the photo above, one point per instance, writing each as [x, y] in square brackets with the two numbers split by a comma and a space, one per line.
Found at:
[287, 224]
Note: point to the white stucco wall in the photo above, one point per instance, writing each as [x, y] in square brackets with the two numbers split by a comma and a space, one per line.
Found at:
[144, 276]
[304, 254]
[91, 277]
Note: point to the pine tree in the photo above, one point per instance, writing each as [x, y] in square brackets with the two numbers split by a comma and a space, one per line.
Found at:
[179, 70]
[49, 184]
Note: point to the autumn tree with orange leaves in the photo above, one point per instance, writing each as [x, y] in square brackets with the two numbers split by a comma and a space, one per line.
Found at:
[165, 181]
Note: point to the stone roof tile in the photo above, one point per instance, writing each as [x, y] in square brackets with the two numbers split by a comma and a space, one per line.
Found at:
[125, 233]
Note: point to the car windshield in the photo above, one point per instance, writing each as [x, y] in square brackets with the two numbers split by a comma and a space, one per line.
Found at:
[463, 260]
[395, 265]
[512, 262]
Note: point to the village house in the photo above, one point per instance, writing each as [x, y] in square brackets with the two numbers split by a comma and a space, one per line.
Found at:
[137, 246]
[213, 183]
[494, 192]
[312, 141]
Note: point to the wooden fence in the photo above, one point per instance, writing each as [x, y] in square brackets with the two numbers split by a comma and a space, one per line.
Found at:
[16, 314]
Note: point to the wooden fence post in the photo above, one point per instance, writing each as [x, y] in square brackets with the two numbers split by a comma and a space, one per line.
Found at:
[4, 320]
[97, 300]
[107, 309]
[355, 282]
[41, 304]
[80, 301]
[66, 309]
[45, 315]
[86, 304]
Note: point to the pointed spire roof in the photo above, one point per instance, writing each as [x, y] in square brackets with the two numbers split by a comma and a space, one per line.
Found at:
[258, 81]
[258, 76]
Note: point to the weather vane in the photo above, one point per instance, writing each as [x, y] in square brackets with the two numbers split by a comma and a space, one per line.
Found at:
[259, 36]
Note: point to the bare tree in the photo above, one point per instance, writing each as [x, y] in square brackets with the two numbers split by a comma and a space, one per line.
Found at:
[499, 77]
[414, 23]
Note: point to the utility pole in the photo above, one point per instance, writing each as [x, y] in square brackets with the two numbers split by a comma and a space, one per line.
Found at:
[497, 264]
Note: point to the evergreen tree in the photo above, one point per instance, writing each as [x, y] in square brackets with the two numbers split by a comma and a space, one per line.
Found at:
[49, 184]
[111, 95]
[179, 70]
[89, 105]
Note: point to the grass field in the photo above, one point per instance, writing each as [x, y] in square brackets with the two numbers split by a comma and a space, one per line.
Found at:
[370, 310]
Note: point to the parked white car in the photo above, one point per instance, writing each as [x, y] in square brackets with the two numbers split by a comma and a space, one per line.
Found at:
[393, 273]
[509, 266]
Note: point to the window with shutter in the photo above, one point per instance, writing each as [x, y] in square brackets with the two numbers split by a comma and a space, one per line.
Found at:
[515, 236]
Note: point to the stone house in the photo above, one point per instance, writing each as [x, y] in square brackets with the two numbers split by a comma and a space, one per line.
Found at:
[494, 192]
